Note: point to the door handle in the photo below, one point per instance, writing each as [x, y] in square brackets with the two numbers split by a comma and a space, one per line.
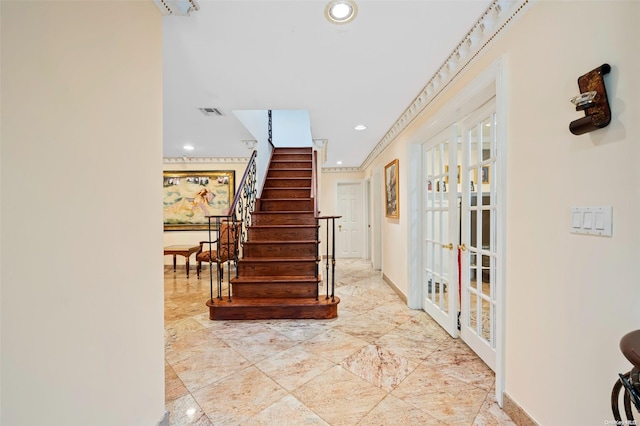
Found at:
[449, 246]
[339, 228]
[462, 247]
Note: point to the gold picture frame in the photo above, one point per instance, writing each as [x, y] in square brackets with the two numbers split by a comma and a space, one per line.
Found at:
[485, 175]
[391, 190]
[446, 174]
[190, 196]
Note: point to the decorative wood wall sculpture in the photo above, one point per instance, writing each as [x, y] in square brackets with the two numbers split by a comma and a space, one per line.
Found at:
[593, 101]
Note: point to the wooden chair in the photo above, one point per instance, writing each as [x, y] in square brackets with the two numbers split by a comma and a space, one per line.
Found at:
[222, 249]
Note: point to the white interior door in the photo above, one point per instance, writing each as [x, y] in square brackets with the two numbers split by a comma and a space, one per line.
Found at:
[440, 230]
[349, 232]
[479, 234]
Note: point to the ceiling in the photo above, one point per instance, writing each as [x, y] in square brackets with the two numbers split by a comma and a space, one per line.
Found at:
[285, 55]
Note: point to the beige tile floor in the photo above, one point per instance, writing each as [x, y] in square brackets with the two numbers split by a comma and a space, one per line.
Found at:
[378, 363]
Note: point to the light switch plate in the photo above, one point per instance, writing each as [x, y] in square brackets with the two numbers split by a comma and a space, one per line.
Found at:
[592, 221]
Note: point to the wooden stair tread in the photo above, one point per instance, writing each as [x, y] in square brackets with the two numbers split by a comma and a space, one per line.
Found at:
[282, 242]
[273, 308]
[284, 225]
[287, 199]
[278, 259]
[305, 178]
[286, 187]
[269, 278]
[273, 301]
[282, 211]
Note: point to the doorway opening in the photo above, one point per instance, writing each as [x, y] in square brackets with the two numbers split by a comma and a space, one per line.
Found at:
[457, 166]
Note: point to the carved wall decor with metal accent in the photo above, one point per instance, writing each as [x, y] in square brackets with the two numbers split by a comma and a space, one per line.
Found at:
[593, 101]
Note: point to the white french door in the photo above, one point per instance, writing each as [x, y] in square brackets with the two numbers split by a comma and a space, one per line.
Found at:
[440, 230]
[479, 251]
[460, 253]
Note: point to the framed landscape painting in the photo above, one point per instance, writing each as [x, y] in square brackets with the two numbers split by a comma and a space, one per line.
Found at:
[190, 196]
[391, 196]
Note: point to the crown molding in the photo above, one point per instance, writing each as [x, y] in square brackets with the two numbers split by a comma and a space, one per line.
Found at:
[494, 20]
[199, 160]
[341, 169]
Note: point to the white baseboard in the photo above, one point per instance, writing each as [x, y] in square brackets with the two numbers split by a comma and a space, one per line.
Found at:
[395, 288]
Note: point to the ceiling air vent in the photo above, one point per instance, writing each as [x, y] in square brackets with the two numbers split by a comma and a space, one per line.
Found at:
[211, 111]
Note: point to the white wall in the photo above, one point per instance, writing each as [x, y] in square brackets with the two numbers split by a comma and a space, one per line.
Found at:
[569, 298]
[394, 230]
[291, 128]
[257, 122]
[81, 271]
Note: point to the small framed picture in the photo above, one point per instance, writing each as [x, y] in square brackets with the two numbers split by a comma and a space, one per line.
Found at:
[484, 175]
[392, 201]
[446, 174]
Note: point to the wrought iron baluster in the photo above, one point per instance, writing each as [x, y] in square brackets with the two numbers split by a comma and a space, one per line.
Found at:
[327, 258]
[270, 138]
[333, 259]
[317, 257]
[210, 267]
[218, 264]
[330, 221]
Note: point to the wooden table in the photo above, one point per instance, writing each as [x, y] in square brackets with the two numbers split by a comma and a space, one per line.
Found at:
[182, 250]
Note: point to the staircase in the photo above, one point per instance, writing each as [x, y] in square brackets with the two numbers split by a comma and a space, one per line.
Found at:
[277, 276]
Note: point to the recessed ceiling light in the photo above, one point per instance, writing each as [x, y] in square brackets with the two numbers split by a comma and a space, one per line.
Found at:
[338, 162]
[360, 127]
[188, 148]
[341, 11]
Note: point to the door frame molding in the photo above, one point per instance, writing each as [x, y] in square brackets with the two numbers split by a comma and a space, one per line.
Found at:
[375, 209]
[360, 182]
[367, 219]
[490, 82]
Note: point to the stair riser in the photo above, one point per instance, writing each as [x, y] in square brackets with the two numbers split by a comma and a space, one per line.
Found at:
[263, 290]
[283, 218]
[293, 164]
[292, 150]
[284, 250]
[289, 173]
[286, 205]
[282, 234]
[276, 269]
[288, 183]
[273, 312]
[291, 156]
[285, 193]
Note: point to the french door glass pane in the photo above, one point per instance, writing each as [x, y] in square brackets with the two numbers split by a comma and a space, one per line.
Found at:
[486, 319]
